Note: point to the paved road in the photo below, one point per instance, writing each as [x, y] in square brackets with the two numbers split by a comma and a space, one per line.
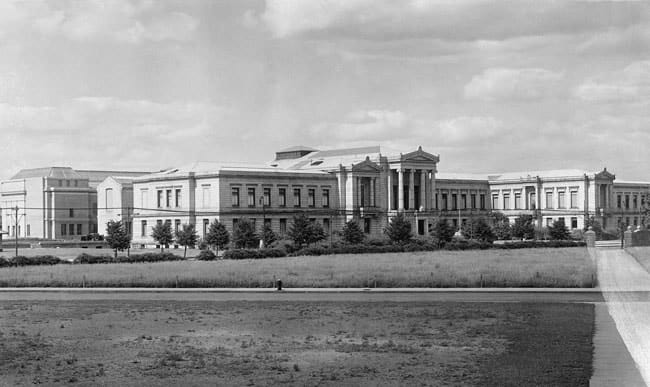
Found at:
[620, 276]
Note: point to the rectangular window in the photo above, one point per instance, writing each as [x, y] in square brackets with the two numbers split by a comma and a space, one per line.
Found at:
[635, 202]
[506, 201]
[311, 197]
[143, 228]
[168, 198]
[454, 203]
[64, 229]
[560, 200]
[71, 212]
[549, 199]
[366, 225]
[618, 201]
[636, 221]
[177, 197]
[574, 222]
[235, 196]
[205, 200]
[482, 198]
[463, 201]
[206, 226]
[627, 202]
[282, 195]
[518, 201]
[67, 184]
[234, 223]
[326, 198]
[296, 197]
[283, 226]
[109, 198]
[574, 199]
[267, 197]
[495, 201]
[473, 201]
[533, 201]
[28, 230]
[144, 203]
[79, 229]
[549, 222]
[160, 198]
[444, 203]
[177, 225]
[159, 222]
[326, 226]
[251, 197]
[71, 229]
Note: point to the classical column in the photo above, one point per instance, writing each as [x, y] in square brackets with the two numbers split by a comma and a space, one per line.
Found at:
[372, 192]
[389, 194]
[357, 187]
[432, 190]
[400, 189]
[411, 189]
[423, 189]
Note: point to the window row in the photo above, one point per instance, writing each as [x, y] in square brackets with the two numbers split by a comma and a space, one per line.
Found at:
[623, 201]
[69, 229]
[164, 198]
[265, 199]
[518, 204]
[573, 222]
[455, 204]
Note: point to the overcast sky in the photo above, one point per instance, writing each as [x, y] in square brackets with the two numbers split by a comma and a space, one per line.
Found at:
[490, 86]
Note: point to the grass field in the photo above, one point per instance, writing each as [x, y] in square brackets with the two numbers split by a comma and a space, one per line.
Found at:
[642, 255]
[565, 267]
[70, 253]
[152, 343]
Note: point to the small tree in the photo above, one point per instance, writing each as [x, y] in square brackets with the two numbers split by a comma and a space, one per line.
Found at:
[523, 227]
[305, 232]
[117, 237]
[186, 236]
[244, 235]
[478, 229]
[268, 235]
[398, 229]
[352, 233]
[558, 230]
[217, 237]
[162, 233]
[442, 232]
[595, 226]
[501, 226]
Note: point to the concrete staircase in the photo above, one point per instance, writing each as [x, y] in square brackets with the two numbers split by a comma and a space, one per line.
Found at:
[615, 244]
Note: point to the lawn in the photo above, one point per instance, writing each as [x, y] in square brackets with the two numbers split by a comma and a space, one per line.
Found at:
[543, 267]
[151, 343]
[642, 255]
[70, 253]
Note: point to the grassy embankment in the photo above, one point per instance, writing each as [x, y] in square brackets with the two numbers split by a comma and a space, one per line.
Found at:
[642, 255]
[564, 267]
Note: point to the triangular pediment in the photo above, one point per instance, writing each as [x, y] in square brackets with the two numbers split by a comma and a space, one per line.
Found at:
[605, 175]
[366, 166]
[420, 156]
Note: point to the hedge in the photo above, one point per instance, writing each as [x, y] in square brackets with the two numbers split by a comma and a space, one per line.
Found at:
[206, 255]
[254, 253]
[31, 261]
[134, 258]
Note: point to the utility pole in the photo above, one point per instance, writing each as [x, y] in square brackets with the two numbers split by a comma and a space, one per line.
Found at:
[16, 229]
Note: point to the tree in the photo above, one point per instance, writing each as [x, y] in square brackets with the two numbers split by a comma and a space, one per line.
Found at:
[186, 236]
[268, 235]
[478, 229]
[305, 232]
[501, 226]
[442, 232]
[162, 233]
[558, 230]
[244, 235]
[352, 233]
[595, 226]
[217, 237]
[398, 229]
[117, 236]
[523, 227]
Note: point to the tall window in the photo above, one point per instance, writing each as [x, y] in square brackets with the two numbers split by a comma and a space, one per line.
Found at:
[518, 201]
[64, 229]
[143, 228]
[79, 229]
[326, 198]
[282, 197]
[506, 201]
[71, 229]
[574, 222]
[549, 199]
[311, 197]
[283, 226]
[28, 230]
[267, 197]
[235, 196]
[482, 199]
[445, 205]
[109, 198]
[463, 201]
[206, 226]
[495, 201]
[168, 198]
[635, 202]
[177, 197]
[251, 197]
[473, 201]
[160, 198]
[177, 225]
[366, 225]
[533, 199]
[206, 196]
[326, 225]
[144, 203]
[627, 203]
[296, 197]
[618, 201]
[560, 200]
[71, 212]
[574, 200]
[454, 201]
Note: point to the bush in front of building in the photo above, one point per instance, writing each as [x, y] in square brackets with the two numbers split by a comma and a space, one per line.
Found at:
[254, 253]
[93, 259]
[134, 258]
[35, 260]
[206, 255]
[558, 230]
[398, 229]
[352, 233]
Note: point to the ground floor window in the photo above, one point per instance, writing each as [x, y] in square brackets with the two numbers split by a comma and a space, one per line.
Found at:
[549, 222]
[71, 229]
[574, 222]
[28, 230]
[79, 229]
[283, 226]
[64, 229]
[366, 225]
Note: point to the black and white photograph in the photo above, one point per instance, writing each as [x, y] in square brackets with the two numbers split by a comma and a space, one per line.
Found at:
[324, 193]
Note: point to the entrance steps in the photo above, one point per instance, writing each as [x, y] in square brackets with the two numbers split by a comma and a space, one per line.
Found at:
[615, 244]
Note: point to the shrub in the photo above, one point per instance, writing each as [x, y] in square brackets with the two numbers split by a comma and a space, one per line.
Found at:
[442, 232]
[244, 235]
[254, 253]
[305, 232]
[4, 262]
[92, 259]
[35, 260]
[398, 229]
[135, 258]
[558, 230]
[523, 227]
[352, 233]
[206, 255]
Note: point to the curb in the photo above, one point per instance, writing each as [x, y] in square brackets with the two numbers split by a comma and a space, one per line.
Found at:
[305, 290]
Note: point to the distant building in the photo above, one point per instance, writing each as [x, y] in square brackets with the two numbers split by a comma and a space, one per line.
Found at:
[115, 202]
[52, 202]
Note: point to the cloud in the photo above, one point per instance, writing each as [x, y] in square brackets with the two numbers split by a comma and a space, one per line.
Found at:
[468, 130]
[513, 84]
[631, 84]
[378, 125]
[124, 21]
[445, 19]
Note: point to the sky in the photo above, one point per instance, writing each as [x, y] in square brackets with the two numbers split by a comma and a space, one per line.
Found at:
[490, 86]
